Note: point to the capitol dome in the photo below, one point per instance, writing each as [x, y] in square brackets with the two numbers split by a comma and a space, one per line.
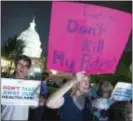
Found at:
[32, 41]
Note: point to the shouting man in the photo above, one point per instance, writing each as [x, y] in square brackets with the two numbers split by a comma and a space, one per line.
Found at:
[22, 66]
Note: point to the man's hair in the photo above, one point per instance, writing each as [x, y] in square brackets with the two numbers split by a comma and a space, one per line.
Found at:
[105, 86]
[25, 58]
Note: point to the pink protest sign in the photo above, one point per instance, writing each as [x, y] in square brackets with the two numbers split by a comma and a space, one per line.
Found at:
[86, 37]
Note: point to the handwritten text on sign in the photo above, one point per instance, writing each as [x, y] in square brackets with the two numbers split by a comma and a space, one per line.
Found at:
[86, 37]
[122, 92]
[19, 92]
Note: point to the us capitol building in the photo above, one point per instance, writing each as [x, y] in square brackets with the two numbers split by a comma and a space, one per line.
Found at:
[33, 48]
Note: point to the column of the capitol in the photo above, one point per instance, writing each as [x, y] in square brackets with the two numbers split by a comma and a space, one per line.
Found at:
[33, 49]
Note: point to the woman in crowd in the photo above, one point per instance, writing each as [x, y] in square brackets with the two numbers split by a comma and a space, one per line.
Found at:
[73, 106]
[102, 104]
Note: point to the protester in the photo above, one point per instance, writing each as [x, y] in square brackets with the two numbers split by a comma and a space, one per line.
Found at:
[102, 104]
[105, 89]
[22, 66]
[120, 111]
[73, 106]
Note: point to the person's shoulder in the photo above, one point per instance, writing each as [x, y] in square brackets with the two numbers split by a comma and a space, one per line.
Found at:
[67, 96]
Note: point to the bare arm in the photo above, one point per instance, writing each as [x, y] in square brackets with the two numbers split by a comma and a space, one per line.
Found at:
[56, 100]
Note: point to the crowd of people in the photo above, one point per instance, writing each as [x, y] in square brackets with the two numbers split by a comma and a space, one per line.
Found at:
[75, 100]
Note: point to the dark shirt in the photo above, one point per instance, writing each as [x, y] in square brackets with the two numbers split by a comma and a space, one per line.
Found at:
[70, 112]
[39, 112]
[43, 89]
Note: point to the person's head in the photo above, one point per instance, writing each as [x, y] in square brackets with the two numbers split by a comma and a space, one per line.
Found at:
[120, 111]
[105, 89]
[45, 76]
[22, 65]
[82, 87]
[64, 81]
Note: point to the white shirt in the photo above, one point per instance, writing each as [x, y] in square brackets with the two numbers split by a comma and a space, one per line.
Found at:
[102, 103]
[14, 112]
[10, 112]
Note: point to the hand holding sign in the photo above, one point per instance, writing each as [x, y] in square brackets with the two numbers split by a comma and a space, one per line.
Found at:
[80, 76]
[122, 92]
[15, 93]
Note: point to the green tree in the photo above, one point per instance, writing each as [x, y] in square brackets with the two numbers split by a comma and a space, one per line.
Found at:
[11, 49]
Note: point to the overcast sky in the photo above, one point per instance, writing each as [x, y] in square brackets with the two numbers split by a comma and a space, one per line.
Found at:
[16, 16]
